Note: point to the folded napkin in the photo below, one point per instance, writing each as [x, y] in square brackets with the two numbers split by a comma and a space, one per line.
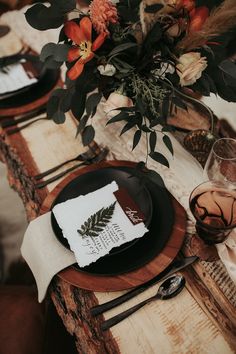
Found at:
[46, 256]
[44, 253]
[227, 254]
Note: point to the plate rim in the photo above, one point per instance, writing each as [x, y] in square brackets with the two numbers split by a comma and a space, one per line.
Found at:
[129, 279]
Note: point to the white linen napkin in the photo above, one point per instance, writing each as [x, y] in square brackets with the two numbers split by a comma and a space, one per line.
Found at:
[46, 256]
[44, 253]
[73, 213]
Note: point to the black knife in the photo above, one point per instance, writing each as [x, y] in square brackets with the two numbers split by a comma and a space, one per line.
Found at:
[172, 268]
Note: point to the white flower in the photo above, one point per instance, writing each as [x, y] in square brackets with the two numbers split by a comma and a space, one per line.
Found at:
[190, 68]
[107, 70]
[165, 68]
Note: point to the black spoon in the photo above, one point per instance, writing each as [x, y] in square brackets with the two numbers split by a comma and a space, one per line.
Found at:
[168, 289]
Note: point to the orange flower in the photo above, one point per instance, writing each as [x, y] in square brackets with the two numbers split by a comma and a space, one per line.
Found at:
[103, 12]
[197, 18]
[81, 35]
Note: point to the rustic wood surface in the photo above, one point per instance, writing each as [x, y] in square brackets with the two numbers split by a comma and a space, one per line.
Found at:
[202, 319]
[198, 320]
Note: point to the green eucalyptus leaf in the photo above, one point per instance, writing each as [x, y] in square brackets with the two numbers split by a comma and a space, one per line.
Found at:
[78, 104]
[119, 117]
[158, 157]
[50, 63]
[52, 106]
[122, 47]
[44, 17]
[152, 140]
[127, 127]
[59, 117]
[92, 103]
[88, 135]
[58, 52]
[136, 139]
[82, 123]
[145, 129]
[168, 143]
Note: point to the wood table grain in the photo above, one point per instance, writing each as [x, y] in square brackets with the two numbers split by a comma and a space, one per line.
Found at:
[202, 319]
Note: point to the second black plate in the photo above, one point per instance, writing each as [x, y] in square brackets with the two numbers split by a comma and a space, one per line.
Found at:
[33, 92]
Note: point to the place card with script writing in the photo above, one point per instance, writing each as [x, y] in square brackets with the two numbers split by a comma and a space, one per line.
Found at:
[99, 221]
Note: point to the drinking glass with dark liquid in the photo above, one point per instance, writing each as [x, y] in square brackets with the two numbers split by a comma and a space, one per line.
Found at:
[214, 207]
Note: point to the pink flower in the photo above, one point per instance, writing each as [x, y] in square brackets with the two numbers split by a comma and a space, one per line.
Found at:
[114, 101]
[102, 13]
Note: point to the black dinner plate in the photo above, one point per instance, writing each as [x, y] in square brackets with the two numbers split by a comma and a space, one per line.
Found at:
[146, 247]
[33, 92]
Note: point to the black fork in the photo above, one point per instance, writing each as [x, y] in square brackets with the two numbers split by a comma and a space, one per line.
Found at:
[101, 156]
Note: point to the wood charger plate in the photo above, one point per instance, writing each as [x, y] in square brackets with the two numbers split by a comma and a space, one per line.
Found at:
[133, 278]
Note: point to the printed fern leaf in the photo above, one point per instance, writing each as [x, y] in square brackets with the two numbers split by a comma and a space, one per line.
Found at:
[97, 222]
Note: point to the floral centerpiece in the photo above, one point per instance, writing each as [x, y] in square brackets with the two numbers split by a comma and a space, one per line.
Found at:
[143, 57]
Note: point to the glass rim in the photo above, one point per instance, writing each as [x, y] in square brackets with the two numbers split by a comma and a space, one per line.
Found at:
[221, 157]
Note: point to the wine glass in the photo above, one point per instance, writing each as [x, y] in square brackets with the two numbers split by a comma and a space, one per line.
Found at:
[221, 162]
[213, 205]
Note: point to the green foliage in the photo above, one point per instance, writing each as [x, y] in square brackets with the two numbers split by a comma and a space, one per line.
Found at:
[44, 17]
[53, 55]
[97, 222]
[88, 134]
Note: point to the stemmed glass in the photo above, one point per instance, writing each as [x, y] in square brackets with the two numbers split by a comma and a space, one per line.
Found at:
[221, 162]
[214, 207]
[213, 203]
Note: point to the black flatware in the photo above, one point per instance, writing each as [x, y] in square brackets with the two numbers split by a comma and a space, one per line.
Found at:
[174, 267]
[167, 290]
[97, 158]
[22, 118]
[81, 157]
[18, 129]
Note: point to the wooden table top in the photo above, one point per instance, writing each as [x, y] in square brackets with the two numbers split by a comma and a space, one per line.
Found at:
[202, 319]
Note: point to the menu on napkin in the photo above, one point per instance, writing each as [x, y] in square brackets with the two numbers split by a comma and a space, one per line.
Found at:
[16, 76]
[95, 223]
